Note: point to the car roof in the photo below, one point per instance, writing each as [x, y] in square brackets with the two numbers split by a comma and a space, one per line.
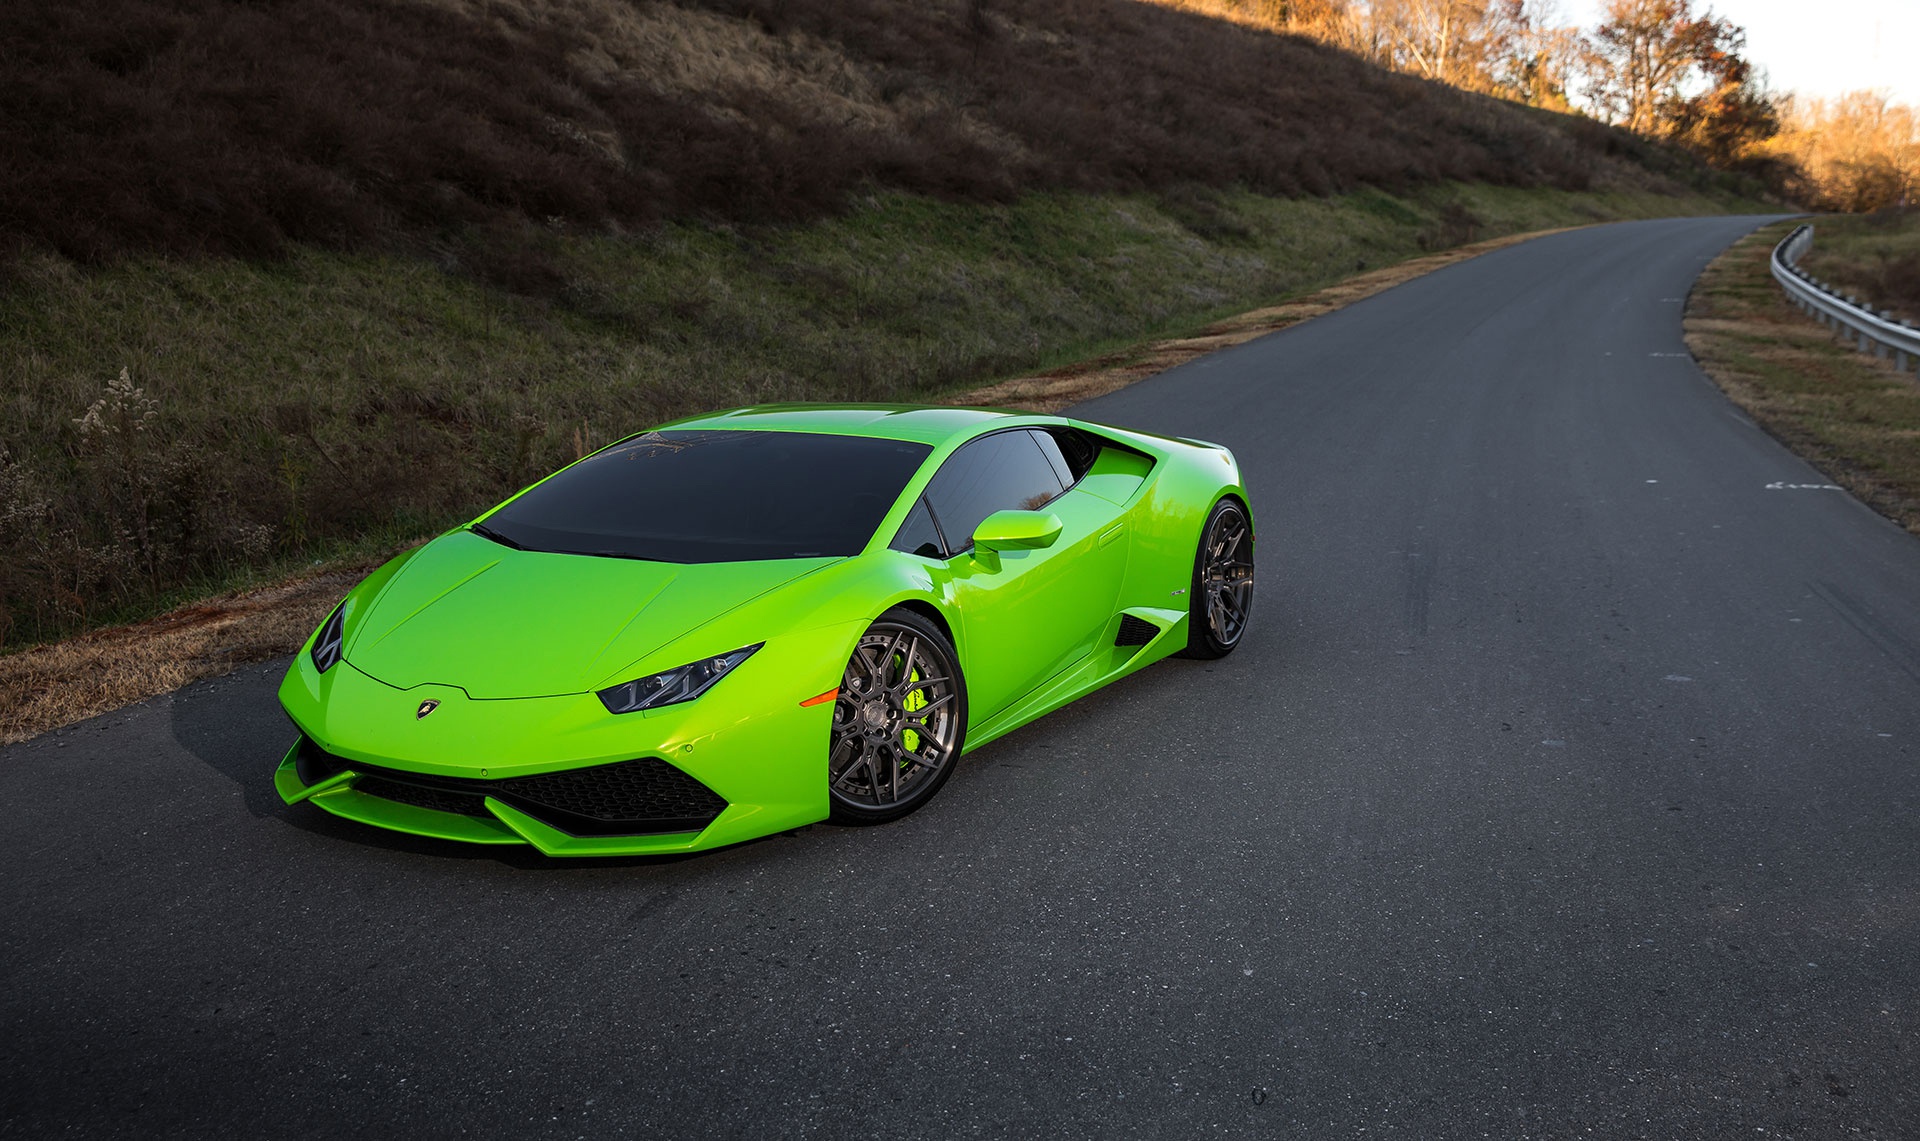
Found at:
[921, 423]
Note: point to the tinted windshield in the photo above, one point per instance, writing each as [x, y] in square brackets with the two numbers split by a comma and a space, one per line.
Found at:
[711, 497]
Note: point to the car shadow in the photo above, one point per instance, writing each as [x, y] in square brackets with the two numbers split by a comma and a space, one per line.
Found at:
[235, 727]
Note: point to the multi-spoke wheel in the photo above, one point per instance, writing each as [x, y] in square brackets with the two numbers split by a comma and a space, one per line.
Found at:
[897, 723]
[1222, 596]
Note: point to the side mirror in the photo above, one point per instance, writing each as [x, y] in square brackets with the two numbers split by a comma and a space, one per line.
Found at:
[1016, 531]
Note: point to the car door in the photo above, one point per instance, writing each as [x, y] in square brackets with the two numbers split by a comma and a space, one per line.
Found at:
[1027, 615]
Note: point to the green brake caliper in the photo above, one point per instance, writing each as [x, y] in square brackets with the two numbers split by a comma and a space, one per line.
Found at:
[916, 701]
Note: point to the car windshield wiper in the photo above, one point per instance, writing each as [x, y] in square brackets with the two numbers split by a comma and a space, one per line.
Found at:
[487, 532]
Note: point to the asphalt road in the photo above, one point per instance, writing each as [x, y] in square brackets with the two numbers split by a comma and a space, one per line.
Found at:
[1569, 784]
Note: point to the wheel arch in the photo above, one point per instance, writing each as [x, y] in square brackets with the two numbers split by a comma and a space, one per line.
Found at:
[931, 613]
[1239, 497]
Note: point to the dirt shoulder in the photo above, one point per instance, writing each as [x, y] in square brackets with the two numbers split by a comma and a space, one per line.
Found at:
[1848, 413]
[50, 686]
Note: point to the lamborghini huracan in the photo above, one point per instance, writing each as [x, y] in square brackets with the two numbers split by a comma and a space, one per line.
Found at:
[743, 622]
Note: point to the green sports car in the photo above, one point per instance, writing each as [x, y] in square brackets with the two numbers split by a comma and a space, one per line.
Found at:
[747, 621]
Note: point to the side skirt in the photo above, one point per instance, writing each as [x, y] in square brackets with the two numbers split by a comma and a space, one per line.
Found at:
[1106, 664]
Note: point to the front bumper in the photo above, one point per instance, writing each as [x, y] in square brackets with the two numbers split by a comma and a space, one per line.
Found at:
[561, 773]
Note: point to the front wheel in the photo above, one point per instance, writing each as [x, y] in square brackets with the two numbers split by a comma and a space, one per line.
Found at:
[898, 721]
[1221, 599]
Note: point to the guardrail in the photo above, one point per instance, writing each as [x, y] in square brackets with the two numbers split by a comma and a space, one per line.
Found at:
[1869, 331]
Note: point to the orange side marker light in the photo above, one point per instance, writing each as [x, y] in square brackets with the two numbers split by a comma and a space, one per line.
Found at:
[822, 699]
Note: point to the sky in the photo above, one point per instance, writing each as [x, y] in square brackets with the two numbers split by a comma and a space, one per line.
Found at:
[1822, 50]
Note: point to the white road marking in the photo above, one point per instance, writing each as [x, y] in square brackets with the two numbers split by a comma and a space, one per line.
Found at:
[1782, 485]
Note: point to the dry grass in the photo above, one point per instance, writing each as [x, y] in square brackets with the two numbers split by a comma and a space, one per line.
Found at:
[1847, 413]
[58, 684]
[453, 126]
[1058, 388]
[1875, 257]
[50, 686]
[276, 412]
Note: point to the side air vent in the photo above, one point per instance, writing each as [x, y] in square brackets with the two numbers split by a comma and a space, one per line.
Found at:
[1135, 631]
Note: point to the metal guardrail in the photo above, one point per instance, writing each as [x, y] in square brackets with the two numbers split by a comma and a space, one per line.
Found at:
[1869, 331]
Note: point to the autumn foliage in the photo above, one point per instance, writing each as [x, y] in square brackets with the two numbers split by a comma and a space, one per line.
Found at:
[1853, 154]
[1664, 69]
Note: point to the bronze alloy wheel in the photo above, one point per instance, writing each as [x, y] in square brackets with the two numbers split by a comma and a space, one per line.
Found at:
[897, 723]
[1222, 594]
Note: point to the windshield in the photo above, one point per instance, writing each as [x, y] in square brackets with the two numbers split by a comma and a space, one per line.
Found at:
[712, 497]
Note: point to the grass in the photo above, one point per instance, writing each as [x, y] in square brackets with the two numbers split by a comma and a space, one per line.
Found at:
[279, 412]
[1875, 257]
[1847, 413]
[269, 606]
[365, 265]
[209, 127]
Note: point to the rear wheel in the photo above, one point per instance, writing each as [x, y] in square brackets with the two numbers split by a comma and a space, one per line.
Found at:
[898, 721]
[1221, 600]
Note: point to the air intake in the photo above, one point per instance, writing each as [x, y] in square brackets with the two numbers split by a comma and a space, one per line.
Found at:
[636, 797]
[1135, 631]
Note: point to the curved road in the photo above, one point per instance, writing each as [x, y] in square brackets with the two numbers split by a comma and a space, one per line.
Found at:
[1570, 782]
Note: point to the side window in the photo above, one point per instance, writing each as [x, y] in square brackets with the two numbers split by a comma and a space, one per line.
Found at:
[1006, 470]
[1071, 450]
[918, 535]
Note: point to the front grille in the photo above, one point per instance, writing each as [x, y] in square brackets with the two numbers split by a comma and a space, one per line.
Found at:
[646, 789]
[420, 796]
[625, 798]
[1135, 631]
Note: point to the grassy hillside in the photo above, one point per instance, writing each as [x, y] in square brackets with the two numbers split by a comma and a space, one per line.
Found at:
[213, 126]
[1875, 257]
[283, 280]
[299, 407]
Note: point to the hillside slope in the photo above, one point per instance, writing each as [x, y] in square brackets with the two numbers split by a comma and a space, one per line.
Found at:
[282, 281]
[210, 126]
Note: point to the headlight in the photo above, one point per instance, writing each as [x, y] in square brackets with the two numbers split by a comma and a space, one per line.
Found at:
[683, 683]
[326, 645]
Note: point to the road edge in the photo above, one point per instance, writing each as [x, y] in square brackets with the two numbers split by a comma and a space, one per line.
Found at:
[1740, 327]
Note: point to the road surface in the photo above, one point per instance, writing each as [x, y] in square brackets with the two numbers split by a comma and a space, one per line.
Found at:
[1569, 782]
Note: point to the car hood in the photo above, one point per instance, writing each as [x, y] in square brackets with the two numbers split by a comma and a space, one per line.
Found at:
[501, 623]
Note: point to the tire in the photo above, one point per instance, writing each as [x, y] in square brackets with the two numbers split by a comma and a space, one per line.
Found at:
[898, 722]
[1220, 602]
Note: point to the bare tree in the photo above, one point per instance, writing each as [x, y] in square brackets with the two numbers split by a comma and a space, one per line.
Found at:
[1659, 68]
[1645, 53]
[1537, 55]
[1433, 38]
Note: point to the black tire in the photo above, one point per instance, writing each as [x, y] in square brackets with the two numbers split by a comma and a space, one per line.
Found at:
[1220, 602]
[898, 723]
